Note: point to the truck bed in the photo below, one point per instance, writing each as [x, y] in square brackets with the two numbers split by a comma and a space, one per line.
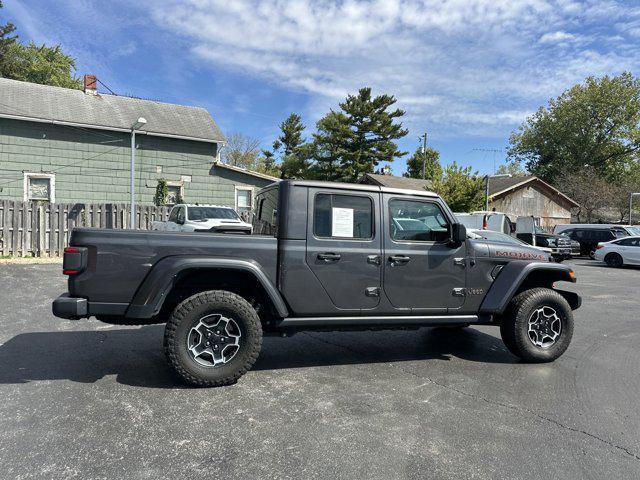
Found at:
[119, 260]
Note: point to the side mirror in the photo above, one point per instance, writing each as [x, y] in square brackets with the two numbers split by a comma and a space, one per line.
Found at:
[458, 233]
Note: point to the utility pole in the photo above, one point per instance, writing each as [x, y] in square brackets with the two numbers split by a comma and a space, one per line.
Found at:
[423, 139]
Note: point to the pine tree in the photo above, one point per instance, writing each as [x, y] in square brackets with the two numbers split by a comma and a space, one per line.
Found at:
[432, 167]
[354, 140]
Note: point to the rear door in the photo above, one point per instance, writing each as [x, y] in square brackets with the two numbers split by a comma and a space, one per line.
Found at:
[422, 271]
[344, 246]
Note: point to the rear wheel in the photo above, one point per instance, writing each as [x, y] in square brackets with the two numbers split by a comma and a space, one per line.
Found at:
[213, 338]
[538, 325]
[613, 260]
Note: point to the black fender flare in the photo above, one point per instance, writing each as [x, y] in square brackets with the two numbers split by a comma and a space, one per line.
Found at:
[154, 289]
[512, 276]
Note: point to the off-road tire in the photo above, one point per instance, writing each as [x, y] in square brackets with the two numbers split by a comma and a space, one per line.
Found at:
[614, 260]
[514, 325]
[188, 313]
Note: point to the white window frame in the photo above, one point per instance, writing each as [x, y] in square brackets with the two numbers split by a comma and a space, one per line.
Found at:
[52, 185]
[179, 184]
[235, 196]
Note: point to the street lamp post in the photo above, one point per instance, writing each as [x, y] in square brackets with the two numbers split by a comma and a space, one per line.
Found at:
[631, 204]
[141, 122]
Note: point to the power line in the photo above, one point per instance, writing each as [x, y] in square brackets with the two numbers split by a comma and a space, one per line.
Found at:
[102, 83]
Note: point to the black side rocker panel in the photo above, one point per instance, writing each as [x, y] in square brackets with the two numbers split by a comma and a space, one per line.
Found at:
[159, 282]
[512, 275]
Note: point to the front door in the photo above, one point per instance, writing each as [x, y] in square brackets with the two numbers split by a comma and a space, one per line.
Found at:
[344, 246]
[422, 270]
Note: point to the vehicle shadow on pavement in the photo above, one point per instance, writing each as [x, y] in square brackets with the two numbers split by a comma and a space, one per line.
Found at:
[315, 349]
[135, 355]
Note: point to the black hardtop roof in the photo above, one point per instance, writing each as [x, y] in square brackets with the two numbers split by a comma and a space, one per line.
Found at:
[356, 187]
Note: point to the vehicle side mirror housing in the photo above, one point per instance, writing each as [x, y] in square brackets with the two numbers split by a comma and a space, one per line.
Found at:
[458, 233]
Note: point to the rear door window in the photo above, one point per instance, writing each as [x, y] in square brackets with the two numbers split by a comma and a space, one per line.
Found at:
[342, 216]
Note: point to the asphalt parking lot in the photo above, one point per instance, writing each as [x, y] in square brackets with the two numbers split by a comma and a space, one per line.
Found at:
[88, 400]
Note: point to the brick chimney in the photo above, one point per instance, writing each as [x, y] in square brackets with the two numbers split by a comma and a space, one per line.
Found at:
[91, 84]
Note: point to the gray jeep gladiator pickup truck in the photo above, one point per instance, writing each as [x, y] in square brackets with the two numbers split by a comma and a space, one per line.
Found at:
[324, 256]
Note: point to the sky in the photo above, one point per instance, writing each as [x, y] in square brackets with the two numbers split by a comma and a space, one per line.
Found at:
[468, 72]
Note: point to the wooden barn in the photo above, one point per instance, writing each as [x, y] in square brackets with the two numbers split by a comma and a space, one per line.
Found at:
[527, 195]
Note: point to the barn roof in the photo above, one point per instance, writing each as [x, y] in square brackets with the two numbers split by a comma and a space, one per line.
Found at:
[502, 186]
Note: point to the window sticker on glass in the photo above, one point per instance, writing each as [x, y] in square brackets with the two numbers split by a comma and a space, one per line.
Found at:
[342, 222]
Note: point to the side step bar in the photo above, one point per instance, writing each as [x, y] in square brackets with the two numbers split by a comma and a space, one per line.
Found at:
[384, 320]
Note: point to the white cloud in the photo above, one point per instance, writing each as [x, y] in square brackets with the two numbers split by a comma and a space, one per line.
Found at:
[557, 37]
[455, 65]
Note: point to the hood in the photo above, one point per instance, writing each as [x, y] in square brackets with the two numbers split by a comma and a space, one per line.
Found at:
[219, 222]
[516, 252]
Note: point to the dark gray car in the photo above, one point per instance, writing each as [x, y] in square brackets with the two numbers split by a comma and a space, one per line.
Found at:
[323, 256]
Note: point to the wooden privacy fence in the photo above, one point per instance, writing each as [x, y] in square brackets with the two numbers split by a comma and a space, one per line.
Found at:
[43, 229]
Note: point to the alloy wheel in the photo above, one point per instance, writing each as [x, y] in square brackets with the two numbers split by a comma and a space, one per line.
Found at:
[214, 341]
[544, 327]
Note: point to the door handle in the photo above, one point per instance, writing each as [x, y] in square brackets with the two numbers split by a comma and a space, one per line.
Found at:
[373, 259]
[399, 259]
[329, 257]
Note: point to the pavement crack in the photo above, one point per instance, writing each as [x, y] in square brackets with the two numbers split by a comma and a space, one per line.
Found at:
[489, 401]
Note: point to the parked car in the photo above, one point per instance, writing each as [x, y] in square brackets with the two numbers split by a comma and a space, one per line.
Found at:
[342, 257]
[203, 218]
[625, 229]
[528, 230]
[589, 236]
[500, 237]
[625, 251]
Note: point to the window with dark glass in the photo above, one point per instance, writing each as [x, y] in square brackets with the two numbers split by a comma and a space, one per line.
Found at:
[412, 220]
[342, 216]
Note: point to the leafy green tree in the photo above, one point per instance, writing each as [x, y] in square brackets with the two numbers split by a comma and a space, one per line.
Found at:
[513, 168]
[267, 164]
[6, 40]
[290, 138]
[295, 153]
[461, 189]
[595, 124]
[162, 191]
[431, 159]
[357, 138]
[40, 64]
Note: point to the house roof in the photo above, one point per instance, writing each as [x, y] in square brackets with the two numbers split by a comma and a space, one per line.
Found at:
[500, 186]
[43, 103]
[392, 181]
[245, 171]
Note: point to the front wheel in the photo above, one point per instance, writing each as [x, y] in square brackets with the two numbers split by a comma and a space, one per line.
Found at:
[538, 325]
[213, 338]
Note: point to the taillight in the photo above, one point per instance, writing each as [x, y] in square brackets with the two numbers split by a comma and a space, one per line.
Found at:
[599, 246]
[75, 260]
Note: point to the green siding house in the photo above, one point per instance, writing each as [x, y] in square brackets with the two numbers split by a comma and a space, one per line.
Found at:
[74, 146]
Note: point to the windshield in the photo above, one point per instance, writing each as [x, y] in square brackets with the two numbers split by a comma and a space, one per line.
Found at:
[204, 213]
[633, 230]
